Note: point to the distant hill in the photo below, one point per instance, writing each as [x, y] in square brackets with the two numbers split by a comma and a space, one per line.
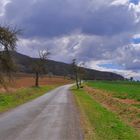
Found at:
[61, 69]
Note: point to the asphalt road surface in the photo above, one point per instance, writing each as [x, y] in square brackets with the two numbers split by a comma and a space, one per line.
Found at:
[52, 116]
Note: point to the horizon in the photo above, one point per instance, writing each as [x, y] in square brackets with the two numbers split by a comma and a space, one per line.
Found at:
[104, 35]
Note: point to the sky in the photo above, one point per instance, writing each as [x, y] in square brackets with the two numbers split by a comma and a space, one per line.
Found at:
[102, 34]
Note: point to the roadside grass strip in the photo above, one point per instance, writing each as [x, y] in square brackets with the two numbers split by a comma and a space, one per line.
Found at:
[104, 124]
[9, 100]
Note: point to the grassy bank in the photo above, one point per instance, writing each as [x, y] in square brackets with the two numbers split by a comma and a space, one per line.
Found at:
[100, 123]
[10, 100]
[123, 90]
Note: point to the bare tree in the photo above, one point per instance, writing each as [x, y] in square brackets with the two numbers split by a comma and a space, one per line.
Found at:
[75, 71]
[39, 65]
[131, 79]
[8, 40]
[81, 73]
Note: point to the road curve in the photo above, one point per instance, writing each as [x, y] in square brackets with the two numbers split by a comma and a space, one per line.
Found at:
[50, 117]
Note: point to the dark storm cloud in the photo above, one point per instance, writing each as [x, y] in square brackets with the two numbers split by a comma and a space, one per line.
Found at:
[53, 18]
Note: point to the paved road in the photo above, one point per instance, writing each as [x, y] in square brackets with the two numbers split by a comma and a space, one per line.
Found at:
[50, 117]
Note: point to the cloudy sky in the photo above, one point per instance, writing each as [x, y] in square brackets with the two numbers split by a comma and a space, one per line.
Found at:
[104, 34]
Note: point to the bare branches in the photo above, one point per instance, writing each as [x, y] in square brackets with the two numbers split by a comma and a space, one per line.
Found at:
[39, 66]
[75, 71]
[8, 38]
[78, 72]
[44, 55]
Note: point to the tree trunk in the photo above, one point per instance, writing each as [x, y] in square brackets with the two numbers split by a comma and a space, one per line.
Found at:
[80, 81]
[37, 79]
[76, 77]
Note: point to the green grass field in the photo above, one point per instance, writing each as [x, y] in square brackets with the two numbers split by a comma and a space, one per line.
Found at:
[12, 99]
[103, 124]
[120, 89]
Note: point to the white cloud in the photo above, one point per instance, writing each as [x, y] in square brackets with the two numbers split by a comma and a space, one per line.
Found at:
[136, 36]
[126, 73]
[3, 4]
[120, 2]
[136, 9]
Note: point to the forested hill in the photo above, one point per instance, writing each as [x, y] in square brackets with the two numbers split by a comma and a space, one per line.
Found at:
[61, 69]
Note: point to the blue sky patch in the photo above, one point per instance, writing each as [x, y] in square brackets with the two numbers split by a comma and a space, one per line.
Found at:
[111, 66]
[135, 1]
[136, 40]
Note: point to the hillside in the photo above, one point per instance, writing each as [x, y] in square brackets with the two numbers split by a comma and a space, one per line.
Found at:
[62, 69]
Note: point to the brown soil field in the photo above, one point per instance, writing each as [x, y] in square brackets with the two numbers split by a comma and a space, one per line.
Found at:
[28, 80]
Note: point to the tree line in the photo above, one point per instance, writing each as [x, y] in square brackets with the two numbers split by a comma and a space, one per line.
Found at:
[8, 43]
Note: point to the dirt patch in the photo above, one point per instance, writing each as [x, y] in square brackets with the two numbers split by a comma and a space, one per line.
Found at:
[29, 81]
[128, 101]
[136, 123]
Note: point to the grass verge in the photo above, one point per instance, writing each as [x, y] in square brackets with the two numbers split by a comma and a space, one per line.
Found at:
[102, 123]
[9, 100]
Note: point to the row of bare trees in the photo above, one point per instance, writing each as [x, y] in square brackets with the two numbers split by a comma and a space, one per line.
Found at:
[8, 40]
